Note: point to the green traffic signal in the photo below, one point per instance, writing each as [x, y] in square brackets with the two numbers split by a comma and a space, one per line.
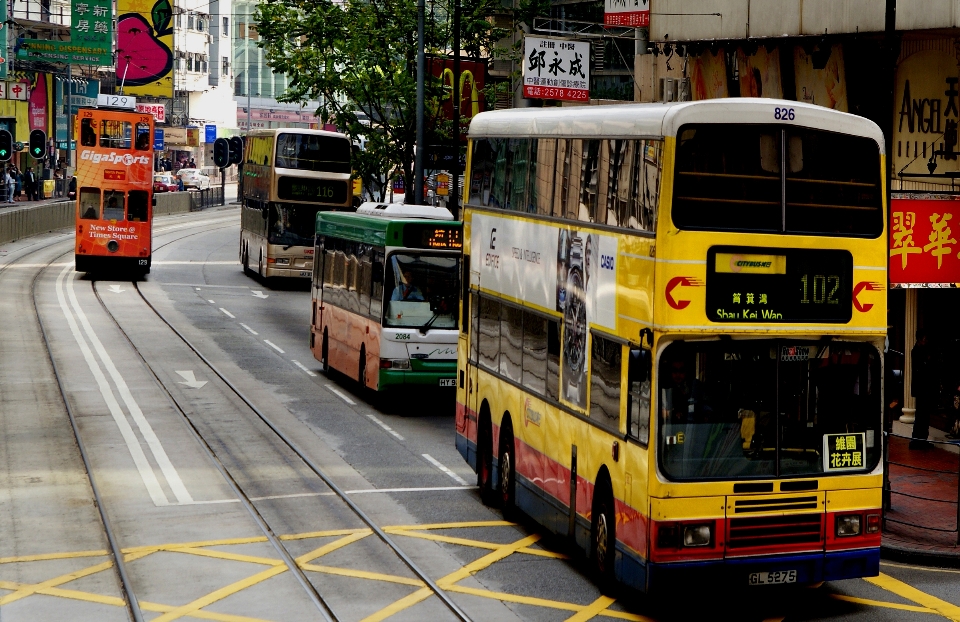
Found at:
[6, 145]
[38, 143]
[3, 153]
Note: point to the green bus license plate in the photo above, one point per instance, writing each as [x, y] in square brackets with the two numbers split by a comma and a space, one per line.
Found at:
[773, 578]
[448, 382]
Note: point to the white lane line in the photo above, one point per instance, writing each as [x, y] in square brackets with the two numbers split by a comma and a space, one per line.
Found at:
[303, 367]
[228, 314]
[253, 332]
[384, 426]
[330, 494]
[133, 445]
[437, 464]
[341, 394]
[211, 302]
[274, 346]
[169, 472]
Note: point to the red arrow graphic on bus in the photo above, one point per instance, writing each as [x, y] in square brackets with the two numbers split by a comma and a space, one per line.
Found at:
[870, 286]
[680, 281]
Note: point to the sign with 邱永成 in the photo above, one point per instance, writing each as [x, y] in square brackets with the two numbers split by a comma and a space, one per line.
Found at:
[91, 37]
[556, 69]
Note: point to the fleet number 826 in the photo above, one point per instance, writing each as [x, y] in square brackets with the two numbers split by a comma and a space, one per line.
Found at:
[783, 114]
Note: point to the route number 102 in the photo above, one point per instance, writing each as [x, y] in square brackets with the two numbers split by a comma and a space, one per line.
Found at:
[783, 114]
[824, 289]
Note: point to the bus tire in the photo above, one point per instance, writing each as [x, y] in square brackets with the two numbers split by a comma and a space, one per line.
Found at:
[246, 261]
[603, 536]
[260, 265]
[507, 467]
[325, 353]
[488, 495]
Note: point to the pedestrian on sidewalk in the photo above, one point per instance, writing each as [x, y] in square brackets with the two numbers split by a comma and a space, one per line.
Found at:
[30, 183]
[10, 185]
[925, 387]
[18, 181]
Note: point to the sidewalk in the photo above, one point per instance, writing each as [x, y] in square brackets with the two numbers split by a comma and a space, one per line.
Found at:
[921, 524]
[19, 205]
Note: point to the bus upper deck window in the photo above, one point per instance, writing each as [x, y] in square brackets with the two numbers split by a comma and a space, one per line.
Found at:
[90, 203]
[115, 134]
[88, 135]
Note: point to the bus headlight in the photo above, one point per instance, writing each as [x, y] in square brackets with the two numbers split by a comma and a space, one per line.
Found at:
[848, 525]
[113, 246]
[697, 535]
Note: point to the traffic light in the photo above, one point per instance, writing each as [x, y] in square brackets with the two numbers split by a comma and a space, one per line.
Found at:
[236, 150]
[221, 152]
[38, 144]
[6, 145]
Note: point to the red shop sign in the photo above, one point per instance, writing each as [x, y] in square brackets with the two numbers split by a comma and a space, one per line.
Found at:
[924, 246]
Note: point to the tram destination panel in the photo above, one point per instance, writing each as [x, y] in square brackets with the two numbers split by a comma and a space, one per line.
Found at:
[766, 285]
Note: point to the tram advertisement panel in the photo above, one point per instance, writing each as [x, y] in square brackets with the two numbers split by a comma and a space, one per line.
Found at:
[114, 183]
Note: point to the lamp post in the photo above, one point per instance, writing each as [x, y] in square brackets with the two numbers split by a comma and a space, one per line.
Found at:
[457, 96]
[418, 162]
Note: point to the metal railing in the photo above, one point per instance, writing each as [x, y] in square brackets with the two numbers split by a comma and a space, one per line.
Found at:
[202, 199]
[907, 518]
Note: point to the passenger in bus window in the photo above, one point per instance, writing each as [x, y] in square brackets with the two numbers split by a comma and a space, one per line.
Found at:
[113, 206]
[88, 136]
[683, 396]
[407, 290]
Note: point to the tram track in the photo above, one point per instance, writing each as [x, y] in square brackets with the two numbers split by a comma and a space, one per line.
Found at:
[117, 558]
[306, 584]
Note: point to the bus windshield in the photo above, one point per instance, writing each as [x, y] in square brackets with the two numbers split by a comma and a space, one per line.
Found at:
[292, 225]
[313, 152]
[424, 290]
[761, 408]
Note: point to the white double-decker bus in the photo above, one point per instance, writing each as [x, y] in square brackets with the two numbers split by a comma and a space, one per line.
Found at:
[288, 176]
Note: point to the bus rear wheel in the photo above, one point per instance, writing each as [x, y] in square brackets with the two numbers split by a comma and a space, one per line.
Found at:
[325, 354]
[246, 261]
[362, 373]
[488, 494]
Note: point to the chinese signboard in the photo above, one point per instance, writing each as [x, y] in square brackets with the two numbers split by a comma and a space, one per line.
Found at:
[38, 102]
[82, 93]
[145, 47]
[926, 107]
[633, 13]
[159, 111]
[844, 452]
[91, 37]
[17, 90]
[923, 241]
[556, 69]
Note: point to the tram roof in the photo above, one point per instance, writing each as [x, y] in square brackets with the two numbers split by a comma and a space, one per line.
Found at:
[659, 120]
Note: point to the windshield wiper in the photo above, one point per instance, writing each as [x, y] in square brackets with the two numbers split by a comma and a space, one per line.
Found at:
[426, 327]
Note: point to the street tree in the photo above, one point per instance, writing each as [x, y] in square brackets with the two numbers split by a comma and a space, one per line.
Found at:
[357, 59]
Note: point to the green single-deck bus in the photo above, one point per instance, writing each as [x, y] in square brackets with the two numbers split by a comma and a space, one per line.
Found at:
[386, 287]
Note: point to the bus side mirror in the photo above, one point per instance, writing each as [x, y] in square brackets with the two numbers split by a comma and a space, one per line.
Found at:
[377, 274]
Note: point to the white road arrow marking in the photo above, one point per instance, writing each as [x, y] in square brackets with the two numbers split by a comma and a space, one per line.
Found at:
[116, 289]
[190, 381]
[259, 294]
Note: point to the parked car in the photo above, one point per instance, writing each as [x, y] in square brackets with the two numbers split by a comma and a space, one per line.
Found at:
[164, 182]
[193, 178]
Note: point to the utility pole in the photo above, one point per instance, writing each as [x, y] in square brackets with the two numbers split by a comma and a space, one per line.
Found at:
[69, 89]
[418, 164]
[457, 97]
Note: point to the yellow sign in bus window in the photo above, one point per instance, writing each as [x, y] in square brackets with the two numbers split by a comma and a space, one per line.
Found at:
[734, 263]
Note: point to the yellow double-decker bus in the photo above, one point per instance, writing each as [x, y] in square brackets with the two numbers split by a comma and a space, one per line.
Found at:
[672, 332]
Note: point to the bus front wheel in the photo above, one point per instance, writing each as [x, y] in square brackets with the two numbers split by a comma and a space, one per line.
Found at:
[488, 494]
[603, 537]
[325, 354]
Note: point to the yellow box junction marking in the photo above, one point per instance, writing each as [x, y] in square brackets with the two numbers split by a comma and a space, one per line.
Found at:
[345, 537]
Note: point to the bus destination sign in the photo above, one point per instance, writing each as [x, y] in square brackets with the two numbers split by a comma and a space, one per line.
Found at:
[443, 237]
[844, 452]
[779, 285]
[307, 189]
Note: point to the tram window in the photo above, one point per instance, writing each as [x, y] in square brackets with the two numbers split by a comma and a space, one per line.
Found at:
[638, 400]
[511, 343]
[88, 135]
[143, 137]
[489, 332]
[474, 319]
[589, 182]
[90, 203]
[535, 353]
[115, 134]
[605, 368]
[544, 187]
[113, 204]
[137, 202]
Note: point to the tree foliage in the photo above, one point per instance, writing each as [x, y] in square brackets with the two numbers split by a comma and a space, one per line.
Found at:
[358, 60]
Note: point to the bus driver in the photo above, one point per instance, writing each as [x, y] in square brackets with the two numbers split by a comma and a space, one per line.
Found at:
[407, 290]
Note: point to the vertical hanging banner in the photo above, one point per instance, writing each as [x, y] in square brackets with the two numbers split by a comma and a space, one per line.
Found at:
[145, 47]
[556, 69]
[633, 13]
[91, 37]
[38, 102]
[3, 39]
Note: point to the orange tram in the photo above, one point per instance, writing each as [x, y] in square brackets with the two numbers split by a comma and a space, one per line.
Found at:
[114, 191]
